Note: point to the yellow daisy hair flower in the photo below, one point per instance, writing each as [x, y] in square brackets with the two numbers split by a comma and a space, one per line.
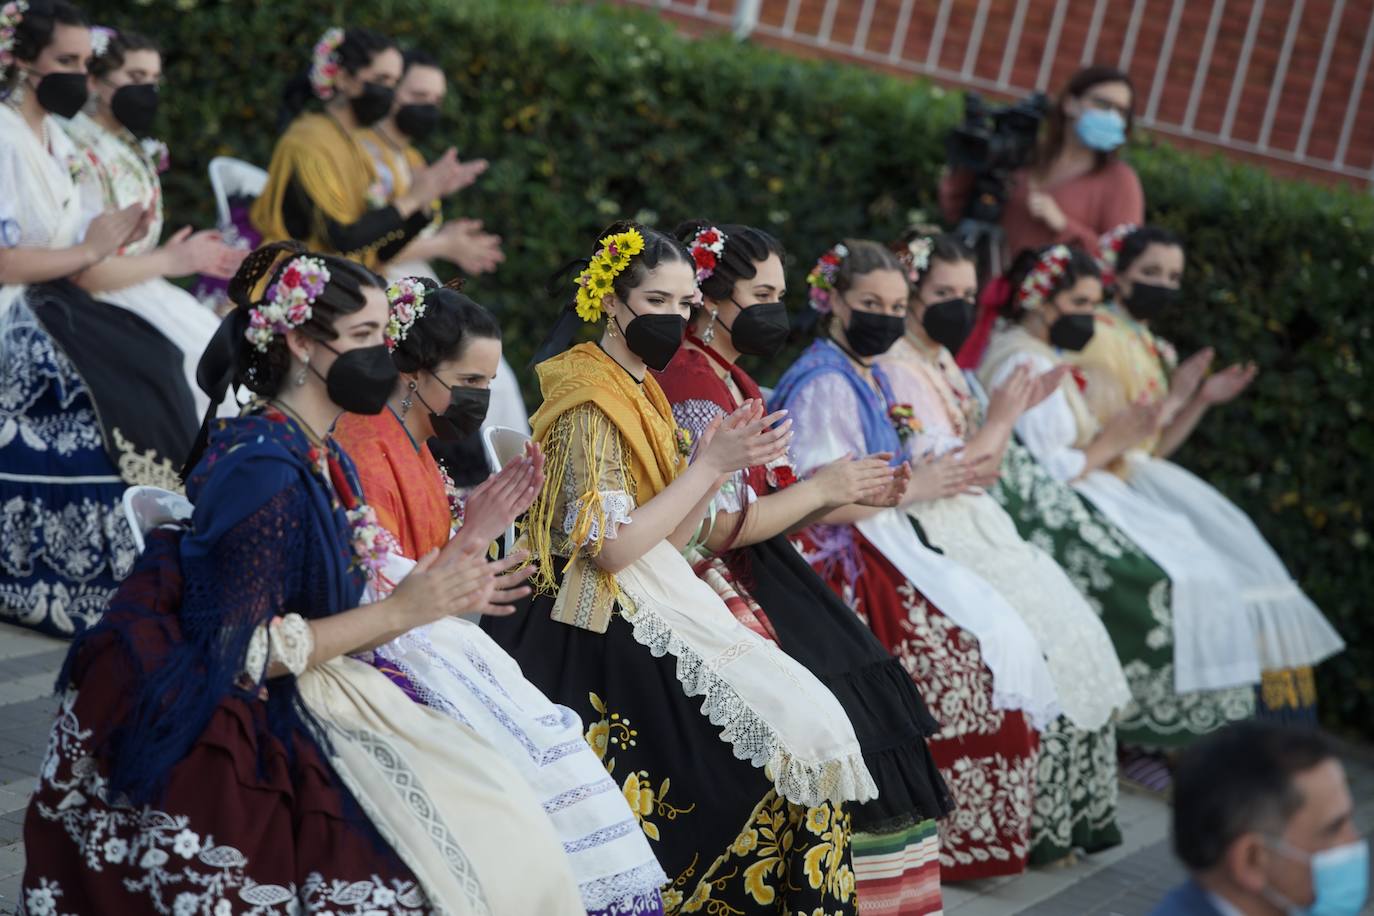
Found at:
[598, 279]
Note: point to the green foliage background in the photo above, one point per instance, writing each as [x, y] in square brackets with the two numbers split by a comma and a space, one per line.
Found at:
[591, 113]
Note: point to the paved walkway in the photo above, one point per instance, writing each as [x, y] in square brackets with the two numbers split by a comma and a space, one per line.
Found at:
[1126, 881]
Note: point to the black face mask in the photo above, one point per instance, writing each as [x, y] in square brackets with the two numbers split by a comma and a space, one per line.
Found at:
[373, 104]
[62, 94]
[467, 408]
[871, 334]
[949, 323]
[1148, 301]
[361, 380]
[417, 121]
[1072, 332]
[761, 329]
[135, 106]
[654, 338]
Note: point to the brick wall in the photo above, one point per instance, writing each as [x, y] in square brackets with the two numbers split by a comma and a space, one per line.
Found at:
[836, 29]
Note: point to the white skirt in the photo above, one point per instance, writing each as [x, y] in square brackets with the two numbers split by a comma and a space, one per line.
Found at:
[1021, 679]
[974, 531]
[1212, 648]
[459, 671]
[1290, 629]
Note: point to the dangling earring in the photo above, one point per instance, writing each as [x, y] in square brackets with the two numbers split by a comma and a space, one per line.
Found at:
[406, 402]
[710, 333]
[300, 376]
[16, 97]
[610, 326]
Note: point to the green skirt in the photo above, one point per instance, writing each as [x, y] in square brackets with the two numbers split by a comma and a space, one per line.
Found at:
[1131, 593]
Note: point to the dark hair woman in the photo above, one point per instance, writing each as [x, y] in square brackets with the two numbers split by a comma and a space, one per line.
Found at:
[95, 398]
[323, 188]
[746, 558]
[711, 752]
[1076, 189]
[223, 743]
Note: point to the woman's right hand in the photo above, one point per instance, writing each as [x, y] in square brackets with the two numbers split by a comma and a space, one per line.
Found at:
[113, 229]
[444, 176]
[1010, 399]
[745, 438]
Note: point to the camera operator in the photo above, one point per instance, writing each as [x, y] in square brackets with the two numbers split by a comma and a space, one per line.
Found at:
[1076, 188]
[1073, 191]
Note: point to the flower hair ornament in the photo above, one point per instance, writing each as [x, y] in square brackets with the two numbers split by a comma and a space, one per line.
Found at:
[324, 63]
[287, 302]
[407, 299]
[101, 36]
[706, 249]
[1109, 250]
[822, 278]
[11, 14]
[1042, 277]
[610, 260]
[915, 257]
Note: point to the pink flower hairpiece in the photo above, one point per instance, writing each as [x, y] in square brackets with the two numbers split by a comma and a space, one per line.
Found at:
[1109, 250]
[915, 257]
[821, 280]
[100, 40]
[407, 300]
[11, 14]
[1042, 277]
[706, 249]
[288, 302]
[324, 63]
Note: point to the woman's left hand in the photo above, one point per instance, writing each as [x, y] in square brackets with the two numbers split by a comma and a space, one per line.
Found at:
[1046, 209]
[1226, 385]
[500, 500]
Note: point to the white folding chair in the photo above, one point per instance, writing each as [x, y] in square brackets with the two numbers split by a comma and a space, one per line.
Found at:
[230, 177]
[147, 508]
[503, 445]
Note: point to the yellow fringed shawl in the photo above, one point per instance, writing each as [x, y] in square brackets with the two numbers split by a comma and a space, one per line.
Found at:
[334, 170]
[633, 424]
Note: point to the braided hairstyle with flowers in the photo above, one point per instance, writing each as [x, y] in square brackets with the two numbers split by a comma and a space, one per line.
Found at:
[1038, 275]
[26, 28]
[445, 321]
[837, 269]
[349, 50]
[919, 248]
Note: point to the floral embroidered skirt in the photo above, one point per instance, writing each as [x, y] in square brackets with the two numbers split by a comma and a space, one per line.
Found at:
[224, 837]
[988, 756]
[1131, 593]
[727, 841]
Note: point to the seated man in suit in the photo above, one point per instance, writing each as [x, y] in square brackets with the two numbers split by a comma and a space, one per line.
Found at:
[1262, 819]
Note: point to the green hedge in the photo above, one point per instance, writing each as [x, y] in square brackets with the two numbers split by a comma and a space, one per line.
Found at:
[592, 113]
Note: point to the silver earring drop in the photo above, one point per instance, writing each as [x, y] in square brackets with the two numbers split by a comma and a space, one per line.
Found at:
[710, 333]
[406, 402]
[300, 376]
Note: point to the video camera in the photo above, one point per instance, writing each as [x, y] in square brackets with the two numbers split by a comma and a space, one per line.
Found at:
[992, 143]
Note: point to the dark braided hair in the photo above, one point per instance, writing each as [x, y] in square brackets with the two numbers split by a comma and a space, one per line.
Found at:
[35, 32]
[450, 322]
[121, 43]
[1134, 245]
[864, 257]
[659, 248]
[355, 52]
[264, 373]
[1081, 264]
[745, 248]
[946, 248]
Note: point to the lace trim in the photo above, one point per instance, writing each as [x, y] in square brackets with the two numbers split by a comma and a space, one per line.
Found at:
[255, 659]
[291, 642]
[808, 783]
[621, 893]
[616, 506]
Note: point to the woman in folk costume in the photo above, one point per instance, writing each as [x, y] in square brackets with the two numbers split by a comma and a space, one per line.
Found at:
[736, 760]
[1128, 590]
[92, 398]
[126, 73]
[745, 556]
[447, 347]
[970, 655]
[217, 747]
[415, 115]
[974, 531]
[1126, 361]
[322, 187]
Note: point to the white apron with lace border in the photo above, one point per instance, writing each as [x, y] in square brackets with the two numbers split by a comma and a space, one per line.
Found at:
[448, 804]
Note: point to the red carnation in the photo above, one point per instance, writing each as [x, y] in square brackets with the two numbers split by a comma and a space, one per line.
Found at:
[708, 237]
[1079, 378]
[292, 277]
[783, 476]
[704, 257]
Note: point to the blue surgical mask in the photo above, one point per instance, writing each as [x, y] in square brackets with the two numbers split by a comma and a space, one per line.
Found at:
[1101, 129]
[1340, 879]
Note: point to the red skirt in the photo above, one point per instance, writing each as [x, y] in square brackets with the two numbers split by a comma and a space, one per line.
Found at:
[987, 756]
[234, 831]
